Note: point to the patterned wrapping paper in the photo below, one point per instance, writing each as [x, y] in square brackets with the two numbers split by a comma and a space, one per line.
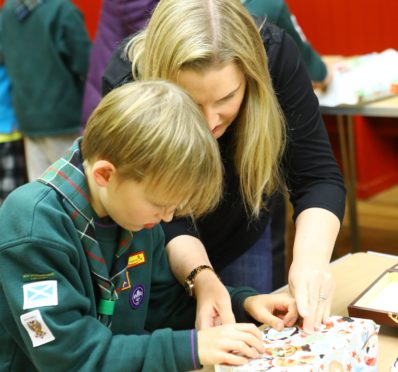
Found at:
[343, 344]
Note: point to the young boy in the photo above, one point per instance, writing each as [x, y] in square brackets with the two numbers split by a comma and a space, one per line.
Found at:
[85, 284]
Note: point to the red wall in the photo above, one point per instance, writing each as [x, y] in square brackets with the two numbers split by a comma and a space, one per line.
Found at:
[341, 27]
[348, 27]
[91, 11]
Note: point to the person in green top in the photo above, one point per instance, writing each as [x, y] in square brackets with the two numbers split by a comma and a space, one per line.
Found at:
[277, 12]
[85, 284]
[46, 53]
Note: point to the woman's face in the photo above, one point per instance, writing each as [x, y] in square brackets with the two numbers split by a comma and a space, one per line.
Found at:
[218, 91]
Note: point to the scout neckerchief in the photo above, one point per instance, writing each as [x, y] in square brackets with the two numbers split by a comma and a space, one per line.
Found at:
[23, 8]
[67, 177]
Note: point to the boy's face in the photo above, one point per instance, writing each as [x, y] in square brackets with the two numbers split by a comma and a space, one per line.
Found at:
[132, 207]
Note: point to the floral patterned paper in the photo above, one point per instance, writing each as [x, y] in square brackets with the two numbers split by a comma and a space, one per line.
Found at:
[343, 344]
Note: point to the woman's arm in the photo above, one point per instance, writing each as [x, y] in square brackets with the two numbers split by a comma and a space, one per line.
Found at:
[310, 279]
[185, 253]
[314, 181]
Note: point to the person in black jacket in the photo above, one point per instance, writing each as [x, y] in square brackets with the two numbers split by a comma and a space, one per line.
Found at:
[251, 84]
[121, 19]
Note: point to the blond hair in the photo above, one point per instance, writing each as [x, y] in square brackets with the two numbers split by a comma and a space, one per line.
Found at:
[198, 34]
[154, 131]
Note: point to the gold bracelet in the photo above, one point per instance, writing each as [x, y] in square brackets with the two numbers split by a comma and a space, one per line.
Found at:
[189, 283]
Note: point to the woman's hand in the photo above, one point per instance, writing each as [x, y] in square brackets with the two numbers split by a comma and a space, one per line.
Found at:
[313, 288]
[310, 280]
[231, 344]
[276, 310]
[213, 302]
[214, 307]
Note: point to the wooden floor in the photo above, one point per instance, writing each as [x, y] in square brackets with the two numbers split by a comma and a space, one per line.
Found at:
[378, 226]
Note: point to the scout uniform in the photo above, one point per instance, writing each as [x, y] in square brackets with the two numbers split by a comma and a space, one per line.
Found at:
[79, 293]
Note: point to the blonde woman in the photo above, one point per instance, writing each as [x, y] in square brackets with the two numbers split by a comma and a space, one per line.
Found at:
[251, 84]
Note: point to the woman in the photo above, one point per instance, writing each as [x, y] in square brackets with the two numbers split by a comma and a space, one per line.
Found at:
[258, 100]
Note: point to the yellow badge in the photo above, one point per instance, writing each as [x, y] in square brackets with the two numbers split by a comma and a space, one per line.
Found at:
[136, 259]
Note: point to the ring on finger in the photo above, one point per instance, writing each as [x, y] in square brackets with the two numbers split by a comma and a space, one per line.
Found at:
[323, 297]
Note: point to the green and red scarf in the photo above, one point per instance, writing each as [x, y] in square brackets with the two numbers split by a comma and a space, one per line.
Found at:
[66, 177]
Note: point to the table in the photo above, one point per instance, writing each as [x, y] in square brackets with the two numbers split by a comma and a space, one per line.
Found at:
[353, 273]
[386, 107]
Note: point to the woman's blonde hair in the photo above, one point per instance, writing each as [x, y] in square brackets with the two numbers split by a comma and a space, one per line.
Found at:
[153, 131]
[199, 34]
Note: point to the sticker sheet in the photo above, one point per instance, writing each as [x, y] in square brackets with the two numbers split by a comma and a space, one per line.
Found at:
[343, 344]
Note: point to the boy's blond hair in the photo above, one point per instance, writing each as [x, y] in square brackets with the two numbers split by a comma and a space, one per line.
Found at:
[153, 131]
[198, 34]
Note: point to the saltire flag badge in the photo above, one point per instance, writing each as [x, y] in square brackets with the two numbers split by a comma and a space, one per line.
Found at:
[39, 294]
[38, 331]
[136, 259]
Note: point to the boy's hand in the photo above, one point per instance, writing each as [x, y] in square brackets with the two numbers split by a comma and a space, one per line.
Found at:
[276, 310]
[213, 306]
[231, 344]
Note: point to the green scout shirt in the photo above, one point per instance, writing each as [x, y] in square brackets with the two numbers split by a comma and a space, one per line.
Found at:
[39, 245]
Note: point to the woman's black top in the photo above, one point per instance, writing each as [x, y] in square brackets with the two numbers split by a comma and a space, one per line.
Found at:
[311, 173]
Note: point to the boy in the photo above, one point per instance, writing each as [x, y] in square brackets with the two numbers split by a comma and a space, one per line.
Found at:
[84, 275]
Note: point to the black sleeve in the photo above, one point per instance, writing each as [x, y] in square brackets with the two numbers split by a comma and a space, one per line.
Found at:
[312, 175]
[179, 226]
[118, 71]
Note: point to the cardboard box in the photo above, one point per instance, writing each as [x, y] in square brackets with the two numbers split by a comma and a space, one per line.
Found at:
[380, 300]
[344, 344]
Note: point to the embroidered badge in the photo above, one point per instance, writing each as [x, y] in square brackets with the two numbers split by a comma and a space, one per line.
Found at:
[38, 331]
[36, 277]
[38, 294]
[137, 295]
[136, 259]
[126, 283]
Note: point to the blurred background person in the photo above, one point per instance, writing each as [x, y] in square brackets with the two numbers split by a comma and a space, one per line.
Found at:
[118, 19]
[46, 49]
[12, 158]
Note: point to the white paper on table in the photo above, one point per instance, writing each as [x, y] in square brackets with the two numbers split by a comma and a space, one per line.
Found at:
[361, 79]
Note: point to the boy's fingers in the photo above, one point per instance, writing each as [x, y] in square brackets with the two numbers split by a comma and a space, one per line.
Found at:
[246, 350]
[248, 327]
[234, 359]
[292, 315]
[272, 320]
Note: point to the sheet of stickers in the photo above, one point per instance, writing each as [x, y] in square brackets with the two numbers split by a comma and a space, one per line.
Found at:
[344, 344]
